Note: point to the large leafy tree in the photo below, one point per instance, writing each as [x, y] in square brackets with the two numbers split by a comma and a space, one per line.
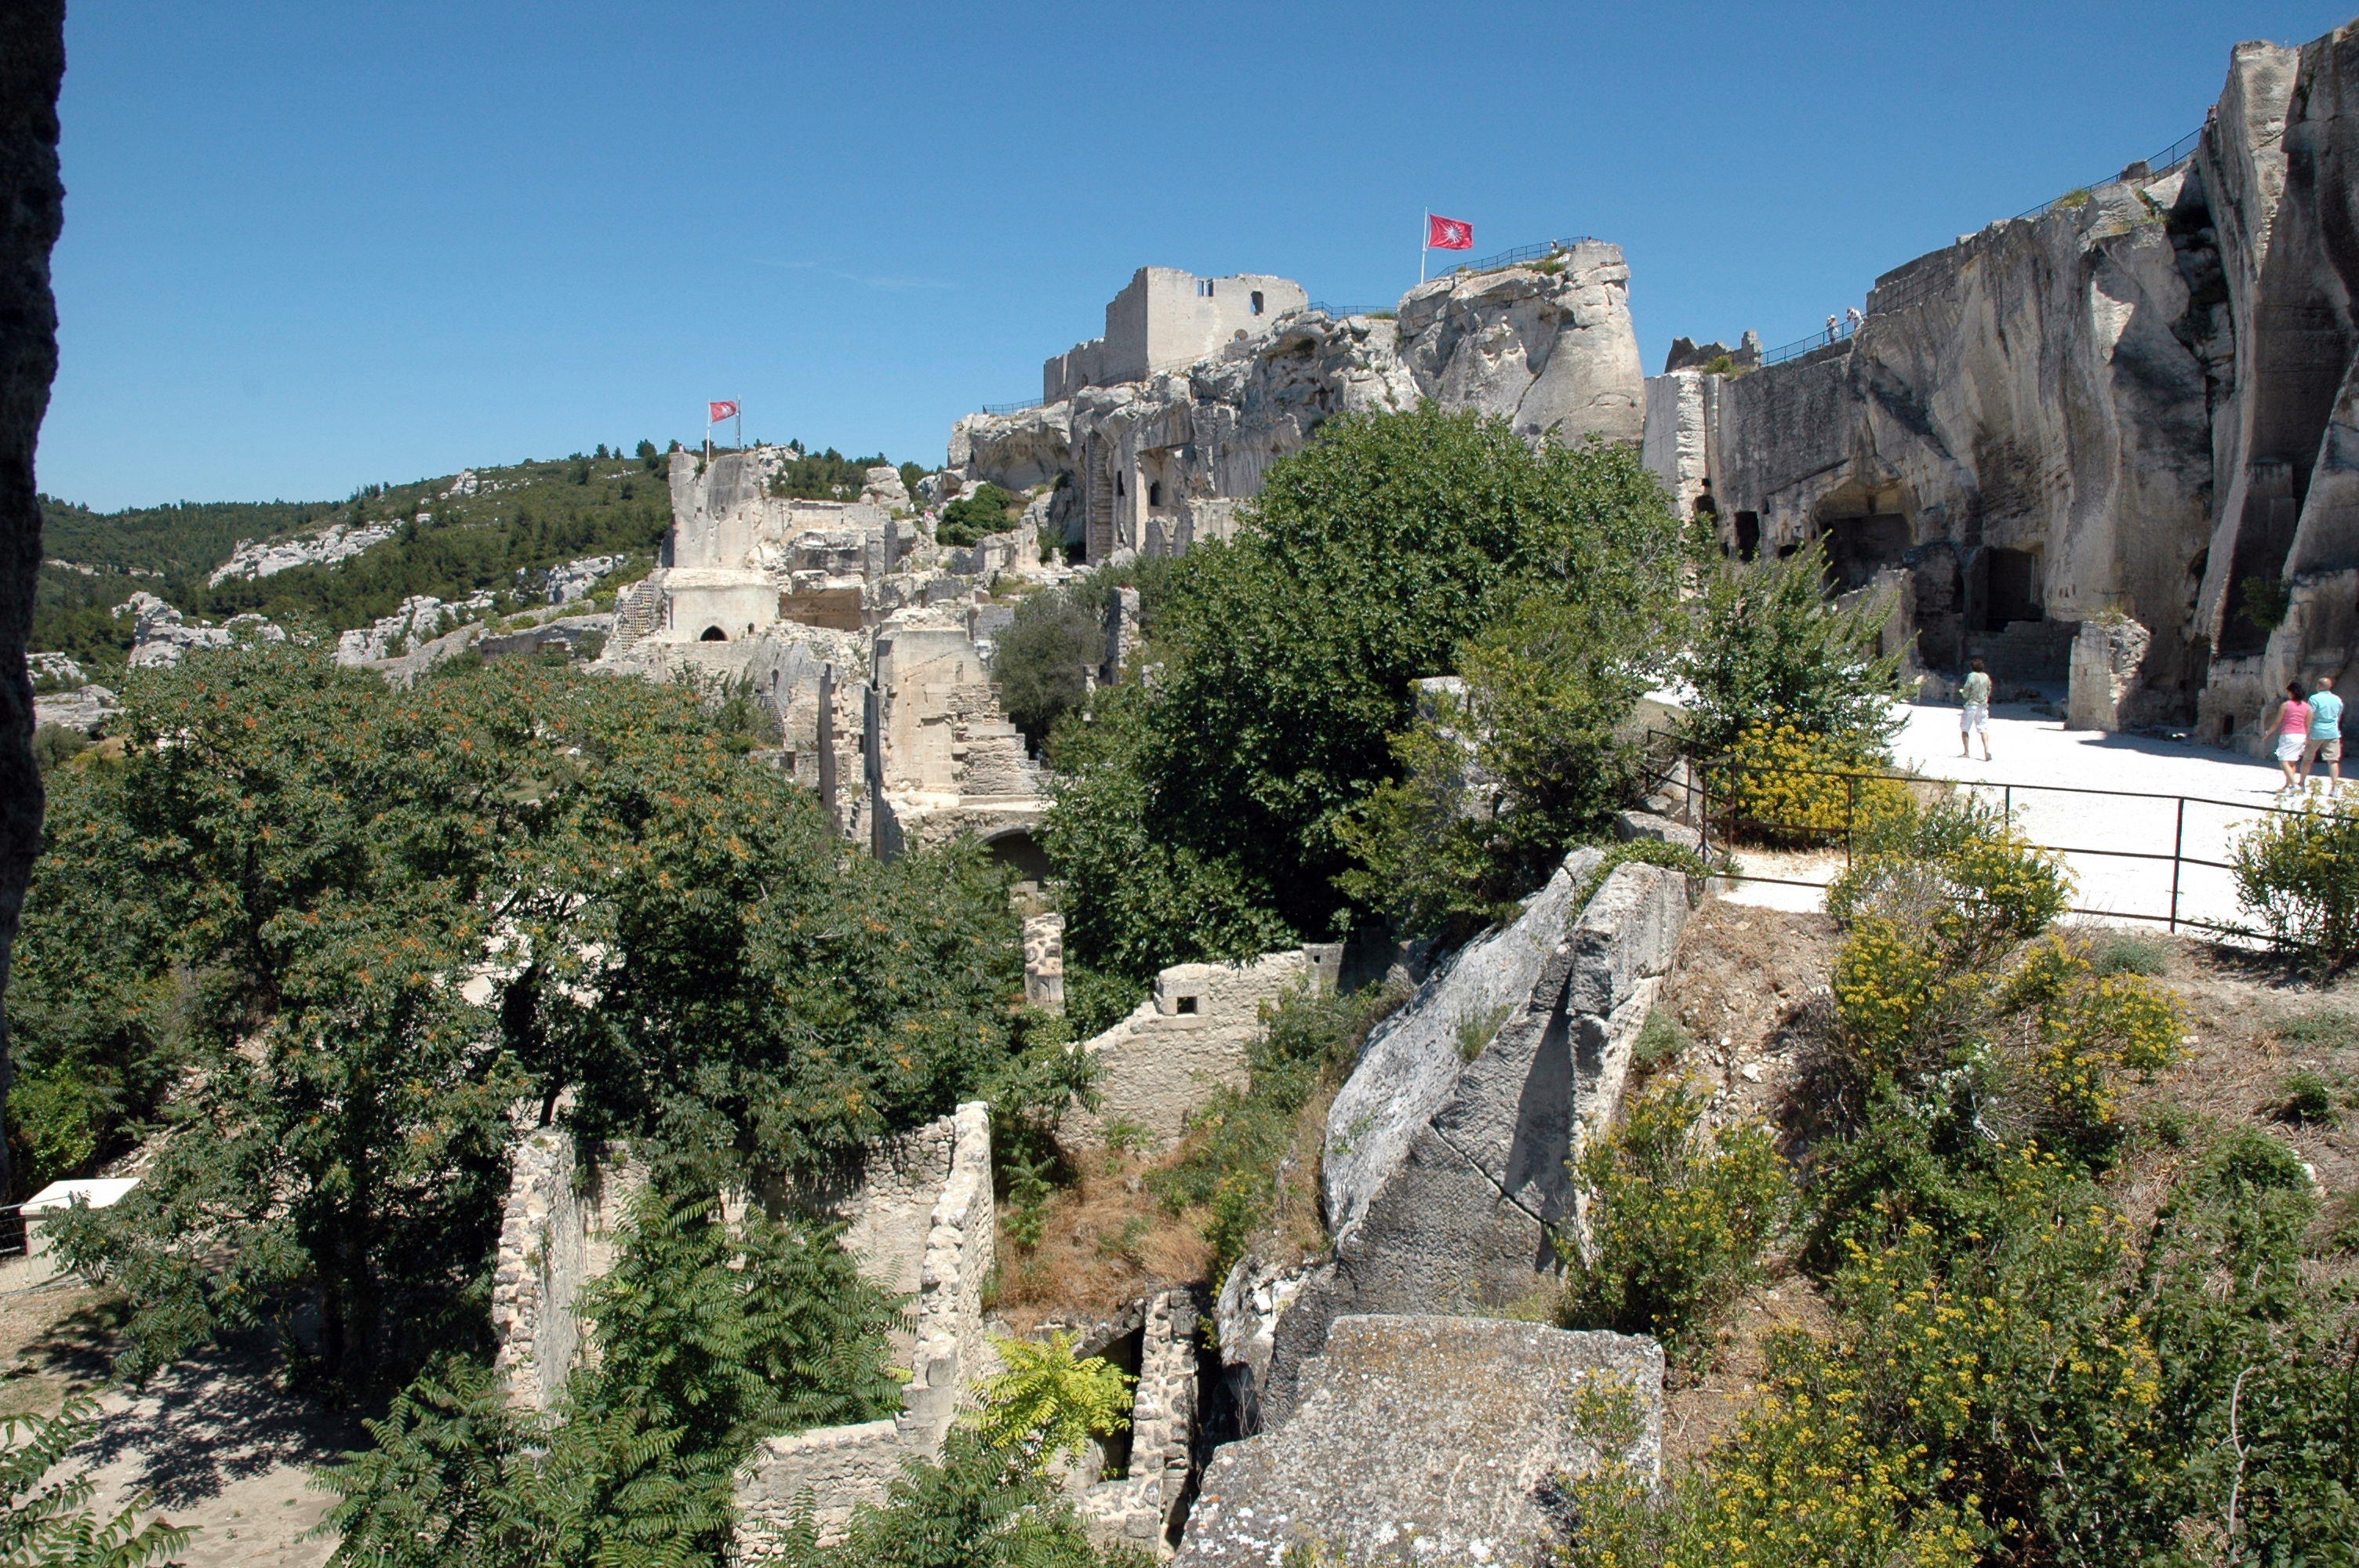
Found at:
[390, 920]
[1283, 664]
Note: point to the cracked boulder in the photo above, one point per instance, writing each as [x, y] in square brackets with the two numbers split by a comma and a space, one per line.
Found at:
[1446, 1164]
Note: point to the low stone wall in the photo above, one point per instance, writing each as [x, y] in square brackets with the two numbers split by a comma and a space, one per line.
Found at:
[832, 1470]
[1183, 1043]
[555, 1238]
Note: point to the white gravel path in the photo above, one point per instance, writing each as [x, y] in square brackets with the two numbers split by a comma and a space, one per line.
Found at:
[2049, 775]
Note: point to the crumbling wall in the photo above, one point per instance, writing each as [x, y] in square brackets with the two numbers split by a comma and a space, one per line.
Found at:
[1143, 1508]
[885, 1196]
[1183, 1043]
[1425, 1439]
[556, 1236]
[1446, 1165]
[832, 1470]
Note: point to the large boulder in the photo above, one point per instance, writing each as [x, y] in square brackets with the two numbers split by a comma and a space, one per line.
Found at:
[1549, 345]
[1447, 1160]
[1429, 1439]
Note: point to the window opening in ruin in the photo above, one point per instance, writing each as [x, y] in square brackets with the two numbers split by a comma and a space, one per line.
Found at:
[714, 634]
[2011, 588]
[1185, 1004]
[1748, 536]
[1257, 301]
[1204, 288]
[1155, 493]
[1859, 547]
[1118, 484]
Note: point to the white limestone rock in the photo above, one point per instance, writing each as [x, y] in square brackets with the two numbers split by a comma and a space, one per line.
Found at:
[1549, 345]
[267, 557]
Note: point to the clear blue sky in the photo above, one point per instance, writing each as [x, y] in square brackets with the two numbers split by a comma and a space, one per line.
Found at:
[311, 245]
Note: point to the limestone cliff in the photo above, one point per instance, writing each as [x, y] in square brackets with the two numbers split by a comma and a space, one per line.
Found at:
[1159, 464]
[2135, 403]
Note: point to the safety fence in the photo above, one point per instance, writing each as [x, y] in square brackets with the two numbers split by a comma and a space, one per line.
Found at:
[1540, 252]
[2161, 163]
[1820, 340]
[1015, 408]
[2133, 855]
[1338, 312]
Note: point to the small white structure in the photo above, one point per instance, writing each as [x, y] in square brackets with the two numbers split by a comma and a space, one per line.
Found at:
[41, 1265]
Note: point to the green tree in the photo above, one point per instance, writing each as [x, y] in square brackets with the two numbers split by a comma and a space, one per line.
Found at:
[1285, 663]
[1041, 663]
[987, 509]
[1766, 641]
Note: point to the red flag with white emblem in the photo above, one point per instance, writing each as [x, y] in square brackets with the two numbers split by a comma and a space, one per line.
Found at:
[722, 411]
[1447, 233]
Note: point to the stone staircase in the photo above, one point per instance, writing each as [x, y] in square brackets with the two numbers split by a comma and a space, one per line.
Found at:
[638, 610]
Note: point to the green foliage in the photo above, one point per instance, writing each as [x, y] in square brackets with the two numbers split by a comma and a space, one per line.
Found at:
[711, 1336]
[1662, 1040]
[1042, 659]
[1229, 1167]
[977, 1507]
[986, 509]
[1678, 1216]
[1780, 784]
[57, 744]
[1492, 788]
[1766, 641]
[2316, 1026]
[1213, 802]
[1049, 1401]
[2297, 872]
[2127, 952]
[827, 476]
[47, 1519]
[276, 898]
[2310, 1098]
[2262, 602]
[461, 1478]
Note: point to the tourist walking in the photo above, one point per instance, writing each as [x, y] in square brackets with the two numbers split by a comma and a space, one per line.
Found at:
[2291, 727]
[1831, 329]
[2325, 735]
[1975, 720]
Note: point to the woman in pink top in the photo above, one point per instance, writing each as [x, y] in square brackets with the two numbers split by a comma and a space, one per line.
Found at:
[2292, 728]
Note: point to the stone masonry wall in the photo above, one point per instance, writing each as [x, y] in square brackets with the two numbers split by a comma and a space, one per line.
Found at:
[834, 1469]
[1183, 1043]
[553, 1240]
[1141, 1510]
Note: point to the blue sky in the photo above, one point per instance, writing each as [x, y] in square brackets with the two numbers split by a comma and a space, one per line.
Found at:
[312, 245]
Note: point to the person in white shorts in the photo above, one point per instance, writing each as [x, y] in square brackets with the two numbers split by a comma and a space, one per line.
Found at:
[2291, 727]
[1976, 694]
[2325, 735]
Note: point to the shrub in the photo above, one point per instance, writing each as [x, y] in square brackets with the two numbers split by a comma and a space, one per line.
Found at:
[2297, 872]
[2129, 953]
[1958, 870]
[1780, 783]
[47, 1519]
[2319, 1026]
[1048, 1401]
[2308, 1096]
[1661, 1040]
[1492, 788]
[989, 509]
[1765, 640]
[1678, 1217]
[1041, 662]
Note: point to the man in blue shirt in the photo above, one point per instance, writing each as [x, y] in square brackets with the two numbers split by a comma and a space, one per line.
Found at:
[2325, 735]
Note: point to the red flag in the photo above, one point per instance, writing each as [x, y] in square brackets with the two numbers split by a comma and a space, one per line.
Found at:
[1448, 234]
[722, 411]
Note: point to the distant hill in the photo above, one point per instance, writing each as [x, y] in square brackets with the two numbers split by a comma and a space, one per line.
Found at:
[451, 539]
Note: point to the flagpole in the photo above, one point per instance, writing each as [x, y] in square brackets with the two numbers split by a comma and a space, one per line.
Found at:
[1424, 224]
[738, 422]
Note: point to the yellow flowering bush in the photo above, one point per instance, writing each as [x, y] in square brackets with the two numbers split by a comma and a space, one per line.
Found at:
[2082, 1029]
[1678, 1215]
[2297, 874]
[1782, 785]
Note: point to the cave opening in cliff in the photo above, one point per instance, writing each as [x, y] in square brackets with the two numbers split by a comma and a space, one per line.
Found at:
[1748, 536]
[2010, 588]
[1858, 547]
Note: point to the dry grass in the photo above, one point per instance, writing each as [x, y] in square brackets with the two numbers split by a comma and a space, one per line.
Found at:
[1105, 1241]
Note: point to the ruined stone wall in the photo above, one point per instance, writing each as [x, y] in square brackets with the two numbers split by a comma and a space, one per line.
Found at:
[832, 1470]
[1182, 1043]
[1141, 1510]
[556, 1236]
[886, 1197]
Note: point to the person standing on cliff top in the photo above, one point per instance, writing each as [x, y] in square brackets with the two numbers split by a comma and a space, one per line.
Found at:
[2325, 735]
[1975, 720]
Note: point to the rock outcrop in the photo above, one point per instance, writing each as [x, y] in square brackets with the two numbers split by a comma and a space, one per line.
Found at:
[161, 637]
[267, 557]
[1425, 1439]
[1158, 463]
[2140, 402]
[1446, 1166]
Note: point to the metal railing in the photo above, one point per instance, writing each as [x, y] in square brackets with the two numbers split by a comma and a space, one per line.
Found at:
[1801, 346]
[2193, 841]
[1520, 254]
[1015, 408]
[1337, 312]
[2161, 163]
